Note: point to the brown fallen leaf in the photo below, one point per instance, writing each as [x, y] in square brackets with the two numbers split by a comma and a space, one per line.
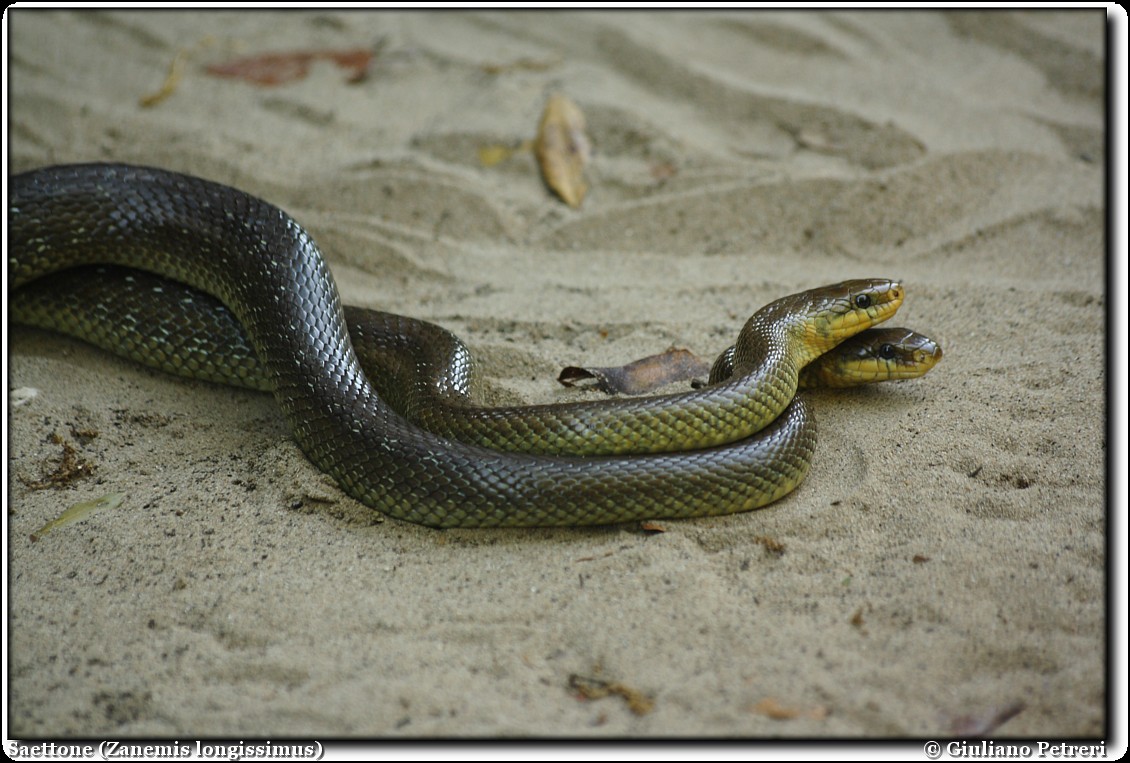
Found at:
[858, 622]
[640, 376]
[272, 69]
[771, 545]
[71, 467]
[771, 708]
[563, 149]
[594, 688]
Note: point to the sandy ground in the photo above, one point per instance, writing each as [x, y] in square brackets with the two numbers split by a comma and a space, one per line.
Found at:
[942, 568]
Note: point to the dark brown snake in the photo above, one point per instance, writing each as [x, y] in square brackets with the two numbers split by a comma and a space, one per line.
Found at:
[268, 272]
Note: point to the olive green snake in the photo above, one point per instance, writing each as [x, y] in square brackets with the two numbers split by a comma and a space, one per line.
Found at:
[422, 370]
[269, 273]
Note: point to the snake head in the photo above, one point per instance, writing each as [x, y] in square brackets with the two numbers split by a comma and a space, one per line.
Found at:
[847, 308]
[875, 355]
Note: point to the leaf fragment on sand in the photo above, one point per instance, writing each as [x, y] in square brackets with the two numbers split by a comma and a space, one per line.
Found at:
[640, 376]
[771, 545]
[594, 688]
[79, 512]
[494, 154]
[771, 708]
[522, 64]
[71, 467]
[271, 69]
[169, 86]
[176, 72]
[563, 149]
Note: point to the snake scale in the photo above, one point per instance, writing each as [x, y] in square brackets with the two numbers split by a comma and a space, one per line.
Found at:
[267, 270]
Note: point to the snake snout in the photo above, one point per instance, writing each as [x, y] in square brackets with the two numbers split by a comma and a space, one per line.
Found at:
[911, 354]
[928, 354]
[888, 299]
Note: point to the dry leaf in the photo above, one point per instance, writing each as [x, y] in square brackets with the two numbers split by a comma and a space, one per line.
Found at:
[169, 86]
[857, 621]
[772, 545]
[71, 467]
[79, 512]
[271, 69]
[563, 149]
[495, 154]
[176, 72]
[771, 708]
[640, 376]
[594, 688]
[522, 64]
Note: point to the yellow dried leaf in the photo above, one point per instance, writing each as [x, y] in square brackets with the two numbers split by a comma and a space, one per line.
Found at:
[563, 149]
[771, 708]
[169, 86]
[492, 155]
[594, 688]
[79, 512]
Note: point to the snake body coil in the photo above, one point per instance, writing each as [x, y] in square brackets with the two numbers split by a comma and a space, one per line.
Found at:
[265, 268]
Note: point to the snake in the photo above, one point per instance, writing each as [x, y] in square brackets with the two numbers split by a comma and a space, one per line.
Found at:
[876, 355]
[267, 270]
[421, 369]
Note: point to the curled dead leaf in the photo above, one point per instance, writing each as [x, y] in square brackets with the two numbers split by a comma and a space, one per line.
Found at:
[563, 149]
[271, 69]
[640, 376]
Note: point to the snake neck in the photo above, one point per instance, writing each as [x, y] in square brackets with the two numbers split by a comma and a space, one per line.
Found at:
[771, 349]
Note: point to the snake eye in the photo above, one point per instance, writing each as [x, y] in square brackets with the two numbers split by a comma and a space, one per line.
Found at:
[863, 301]
[887, 351]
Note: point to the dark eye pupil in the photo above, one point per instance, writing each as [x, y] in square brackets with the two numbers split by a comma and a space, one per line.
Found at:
[863, 301]
[887, 351]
